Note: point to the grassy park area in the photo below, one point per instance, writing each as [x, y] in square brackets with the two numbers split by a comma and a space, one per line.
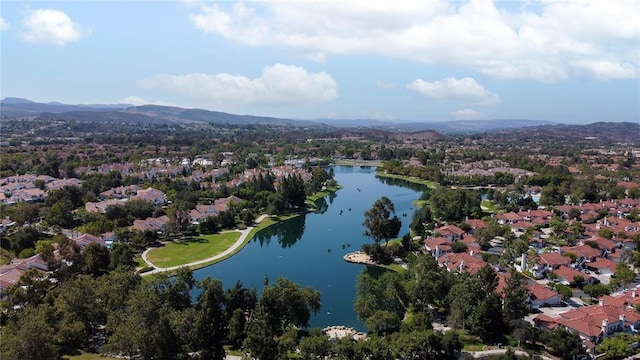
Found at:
[415, 180]
[205, 246]
[192, 249]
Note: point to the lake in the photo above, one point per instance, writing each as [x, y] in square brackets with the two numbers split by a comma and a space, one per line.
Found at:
[308, 249]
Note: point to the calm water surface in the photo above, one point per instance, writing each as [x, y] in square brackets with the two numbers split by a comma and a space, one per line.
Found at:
[309, 249]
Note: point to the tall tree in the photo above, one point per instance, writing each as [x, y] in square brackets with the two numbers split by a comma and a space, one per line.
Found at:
[487, 320]
[378, 221]
[515, 297]
[380, 302]
[464, 297]
[96, 259]
[281, 305]
[77, 312]
[211, 321]
[30, 336]
[144, 329]
[421, 217]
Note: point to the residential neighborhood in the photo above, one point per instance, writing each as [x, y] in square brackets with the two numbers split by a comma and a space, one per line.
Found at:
[499, 245]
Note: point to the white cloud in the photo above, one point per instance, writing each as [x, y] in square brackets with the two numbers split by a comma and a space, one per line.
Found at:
[466, 114]
[462, 91]
[51, 27]
[277, 85]
[545, 41]
[3, 24]
[605, 70]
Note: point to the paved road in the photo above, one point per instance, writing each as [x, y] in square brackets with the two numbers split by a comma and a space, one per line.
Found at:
[243, 235]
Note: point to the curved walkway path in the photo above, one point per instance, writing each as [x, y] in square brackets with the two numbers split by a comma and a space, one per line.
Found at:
[243, 236]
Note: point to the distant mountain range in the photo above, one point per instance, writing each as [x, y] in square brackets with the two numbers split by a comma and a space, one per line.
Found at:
[11, 108]
[145, 114]
[446, 127]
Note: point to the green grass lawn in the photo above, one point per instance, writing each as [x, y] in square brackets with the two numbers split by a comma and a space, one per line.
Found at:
[192, 249]
[205, 246]
[489, 206]
[311, 199]
[415, 180]
[471, 343]
[139, 262]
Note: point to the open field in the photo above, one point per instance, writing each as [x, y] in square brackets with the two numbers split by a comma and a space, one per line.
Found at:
[430, 184]
[192, 249]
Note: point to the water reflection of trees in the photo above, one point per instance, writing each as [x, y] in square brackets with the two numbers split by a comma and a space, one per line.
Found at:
[286, 233]
[321, 206]
[332, 196]
[401, 183]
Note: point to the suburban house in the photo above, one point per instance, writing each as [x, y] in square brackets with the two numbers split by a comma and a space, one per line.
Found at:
[201, 212]
[548, 262]
[155, 225]
[596, 322]
[602, 266]
[223, 203]
[121, 192]
[507, 218]
[450, 232]
[11, 273]
[468, 262]
[437, 246]
[540, 295]
[568, 276]
[101, 206]
[85, 239]
[476, 224]
[584, 253]
[155, 196]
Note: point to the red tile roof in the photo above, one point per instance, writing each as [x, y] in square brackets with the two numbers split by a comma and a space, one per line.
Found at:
[554, 259]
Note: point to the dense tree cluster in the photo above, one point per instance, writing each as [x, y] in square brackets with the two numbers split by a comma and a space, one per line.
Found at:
[119, 314]
[454, 205]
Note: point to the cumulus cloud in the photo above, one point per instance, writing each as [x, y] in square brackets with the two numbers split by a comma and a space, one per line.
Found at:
[3, 24]
[462, 91]
[277, 85]
[51, 27]
[540, 40]
[466, 114]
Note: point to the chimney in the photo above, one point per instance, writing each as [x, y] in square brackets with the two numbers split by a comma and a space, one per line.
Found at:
[471, 252]
[461, 265]
[601, 301]
[623, 319]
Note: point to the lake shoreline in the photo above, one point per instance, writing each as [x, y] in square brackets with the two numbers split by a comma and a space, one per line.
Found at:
[246, 235]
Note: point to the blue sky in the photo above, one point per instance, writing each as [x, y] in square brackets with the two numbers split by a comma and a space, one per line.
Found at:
[425, 60]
